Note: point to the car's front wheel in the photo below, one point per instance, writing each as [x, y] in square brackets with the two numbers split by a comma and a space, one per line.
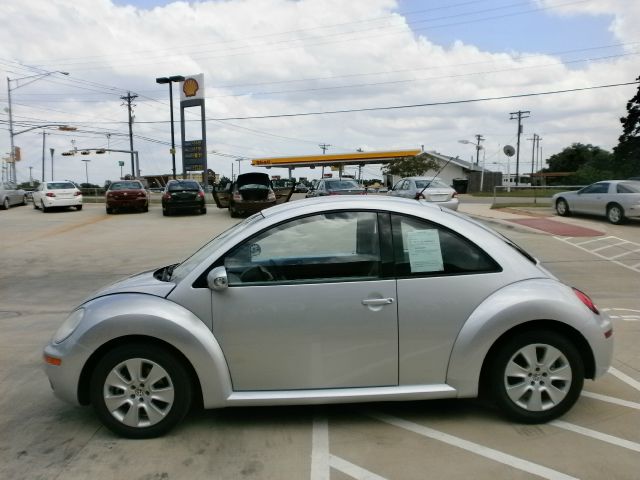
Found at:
[536, 376]
[5, 204]
[562, 207]
[140, 391]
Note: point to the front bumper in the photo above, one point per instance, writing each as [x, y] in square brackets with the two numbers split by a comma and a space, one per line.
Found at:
[64, 378]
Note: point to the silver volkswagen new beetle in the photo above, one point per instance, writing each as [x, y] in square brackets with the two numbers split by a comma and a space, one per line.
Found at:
[341, 299]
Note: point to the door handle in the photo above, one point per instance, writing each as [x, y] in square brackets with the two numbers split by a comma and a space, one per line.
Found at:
[378, 301]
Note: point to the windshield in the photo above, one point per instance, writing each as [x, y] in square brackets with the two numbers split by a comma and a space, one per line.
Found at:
[125, 186]
[60, 185]
[184, 268]
[342, 185]
[180, 186]
[431, 184]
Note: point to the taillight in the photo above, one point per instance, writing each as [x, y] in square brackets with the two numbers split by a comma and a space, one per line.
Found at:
[166, 196]
[454, 195]
[584, 298]
[142, 194]
[201, 194]
[76, 193]
[271, 196]
[51, 194]
[237, 197]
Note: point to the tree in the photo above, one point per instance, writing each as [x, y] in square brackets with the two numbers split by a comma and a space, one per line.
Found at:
[411, 166]
[627, 153]
[588, 163]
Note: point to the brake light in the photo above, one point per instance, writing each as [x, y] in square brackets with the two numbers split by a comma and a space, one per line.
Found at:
[237, 197]
[51, 194]
[167, 196]
[201, 194]
[142, 194]
[271, 196]
[76, 193]
[584, 298]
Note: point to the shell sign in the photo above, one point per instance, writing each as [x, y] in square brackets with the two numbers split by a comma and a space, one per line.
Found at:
[193, 88]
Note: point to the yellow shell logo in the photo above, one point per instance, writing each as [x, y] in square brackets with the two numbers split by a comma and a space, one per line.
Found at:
[190, 87]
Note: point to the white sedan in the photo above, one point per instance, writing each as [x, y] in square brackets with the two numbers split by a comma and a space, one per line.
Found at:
[615, 199]
[57, 194]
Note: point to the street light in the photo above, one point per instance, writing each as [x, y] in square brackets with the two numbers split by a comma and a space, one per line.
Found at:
[31, 78]
[170, 81]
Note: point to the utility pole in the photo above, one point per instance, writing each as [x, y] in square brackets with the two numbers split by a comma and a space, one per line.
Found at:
[519, 115]
[43, 142]
[30, 176]
[129, 98]
[324, 147]
[534, 141]
[479, 138]
[52, 150]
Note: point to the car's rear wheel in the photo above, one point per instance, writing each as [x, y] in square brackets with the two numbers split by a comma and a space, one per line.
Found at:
[615, 214]
[203, 210]
[44, 209]
[5, 204]
[145, 209]
[536, 376]
[109, 210]
[78, 207]
[562, 207]
[140, 391]
[233, 212]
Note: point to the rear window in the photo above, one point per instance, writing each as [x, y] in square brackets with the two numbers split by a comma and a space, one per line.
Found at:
[125, 186]
[60, 185]
[342, 185]
[631, 187]
[431, 184]
[179, 186]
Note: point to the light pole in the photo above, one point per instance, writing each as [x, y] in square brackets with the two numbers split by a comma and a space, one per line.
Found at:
[31, 78]
[170, 81]
[86, 169]
[51, 150]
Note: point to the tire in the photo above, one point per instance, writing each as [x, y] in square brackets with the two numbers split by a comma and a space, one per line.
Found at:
[615, 214]
[145, 209]
[109, 210]
[562, 208]
[78, 207]
[165, 212]
[35, 205]
[44, 209]
[536, 376]
[24, 200]
[203, 210]
[5, 204]
[233, 212]
[127, 404]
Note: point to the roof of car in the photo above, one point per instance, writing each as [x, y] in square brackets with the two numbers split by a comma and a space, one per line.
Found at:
[348, 201]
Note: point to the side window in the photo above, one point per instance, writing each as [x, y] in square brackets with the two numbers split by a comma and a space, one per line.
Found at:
[423, 248]
[341, 246]
[596, 188]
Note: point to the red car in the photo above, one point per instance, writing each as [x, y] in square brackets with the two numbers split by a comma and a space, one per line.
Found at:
[127, 194]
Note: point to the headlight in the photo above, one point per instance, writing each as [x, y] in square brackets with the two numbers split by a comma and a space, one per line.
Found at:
[69, 325]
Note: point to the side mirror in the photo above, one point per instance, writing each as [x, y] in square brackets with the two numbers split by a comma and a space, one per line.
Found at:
[217, 279]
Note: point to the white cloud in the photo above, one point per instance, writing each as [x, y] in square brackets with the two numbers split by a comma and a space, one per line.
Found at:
[240, 46]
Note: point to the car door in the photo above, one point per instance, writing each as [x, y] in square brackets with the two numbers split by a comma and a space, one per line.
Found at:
[442, 278]
[223, 196]
[591, 199]
[307, 307]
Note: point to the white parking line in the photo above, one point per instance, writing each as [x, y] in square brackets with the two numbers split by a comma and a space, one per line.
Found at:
[354, 471]
[625, 378]
[603, 437]
[320, 449]
[481, 450]
[628, 252]
[614, 400]
[588, 241]
[635, 268]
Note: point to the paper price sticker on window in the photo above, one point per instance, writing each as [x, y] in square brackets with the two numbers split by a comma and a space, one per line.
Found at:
[424, 251]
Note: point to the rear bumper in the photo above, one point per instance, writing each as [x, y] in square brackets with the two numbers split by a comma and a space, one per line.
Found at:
[253, 207]
[128, 203]
[450, 204]
[62, 202]
[183, 205]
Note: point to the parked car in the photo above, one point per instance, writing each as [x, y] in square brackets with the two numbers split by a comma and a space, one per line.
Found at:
[10, 195]
[615, 199]
[250, 193]
[429, 189]
[341, 299]
[336, 186]
[57, 194]
[183, 195]
[301, 188]
[127, 194]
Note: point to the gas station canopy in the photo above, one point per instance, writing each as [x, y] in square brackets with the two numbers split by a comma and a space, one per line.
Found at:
[358, 158]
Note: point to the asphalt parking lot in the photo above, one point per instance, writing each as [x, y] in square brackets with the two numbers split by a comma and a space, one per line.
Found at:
[50, 262]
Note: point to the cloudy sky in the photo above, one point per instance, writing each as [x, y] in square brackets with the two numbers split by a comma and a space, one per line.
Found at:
[274, 58]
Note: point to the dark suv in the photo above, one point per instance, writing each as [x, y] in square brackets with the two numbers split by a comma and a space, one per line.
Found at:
[183, 195]
[127, 194]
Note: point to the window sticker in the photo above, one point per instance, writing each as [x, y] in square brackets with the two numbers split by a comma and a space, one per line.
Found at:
[424, 251]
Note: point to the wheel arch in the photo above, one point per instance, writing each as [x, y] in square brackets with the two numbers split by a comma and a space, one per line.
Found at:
[91, 363]
[567, 331]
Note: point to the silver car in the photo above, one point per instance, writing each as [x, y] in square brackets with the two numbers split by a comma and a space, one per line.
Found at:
[428, 189]
[327, 300]
[615, 199]
[10, 195]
